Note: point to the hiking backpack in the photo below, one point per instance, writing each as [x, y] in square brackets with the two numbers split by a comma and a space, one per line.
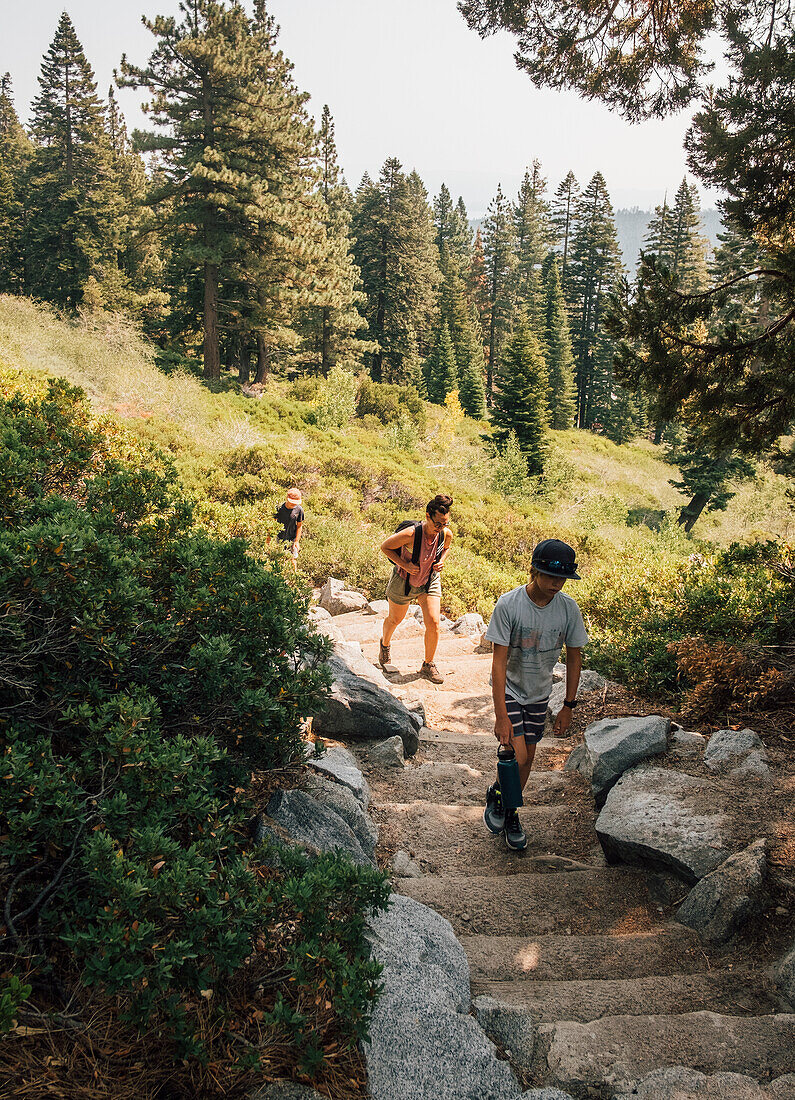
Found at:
[415, 551]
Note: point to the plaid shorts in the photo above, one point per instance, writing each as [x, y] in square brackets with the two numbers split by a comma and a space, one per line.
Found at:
[528, 719]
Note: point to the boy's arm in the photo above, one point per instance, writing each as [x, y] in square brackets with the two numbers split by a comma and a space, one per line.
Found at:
[573, 670]
[298, 527]
[391, 548]
[503, 728]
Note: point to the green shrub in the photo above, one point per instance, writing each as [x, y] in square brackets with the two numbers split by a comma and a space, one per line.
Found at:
[390, 403]
[336, 399]
[145, 670]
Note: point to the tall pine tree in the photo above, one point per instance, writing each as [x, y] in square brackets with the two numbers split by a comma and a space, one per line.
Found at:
[499, 248]
[333, 324]
[72, 203]
[15, 153]
[396, 253]
[559, 355]
[519, 402]
[533, 239]
[595, 266]
[563, 211]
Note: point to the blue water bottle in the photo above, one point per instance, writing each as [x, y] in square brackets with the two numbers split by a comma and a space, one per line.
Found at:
[508, 777]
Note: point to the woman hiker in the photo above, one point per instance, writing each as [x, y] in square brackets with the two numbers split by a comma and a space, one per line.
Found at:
[418, 561]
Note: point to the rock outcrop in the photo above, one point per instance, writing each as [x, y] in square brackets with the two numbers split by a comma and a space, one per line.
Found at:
[667, 820]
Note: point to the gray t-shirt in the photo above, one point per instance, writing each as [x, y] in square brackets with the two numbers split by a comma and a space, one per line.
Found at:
[534, 636]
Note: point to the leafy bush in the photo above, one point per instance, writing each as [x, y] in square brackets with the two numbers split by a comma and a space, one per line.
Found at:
[649, 597]
[145, 670]
[336, 400]
[390, 402]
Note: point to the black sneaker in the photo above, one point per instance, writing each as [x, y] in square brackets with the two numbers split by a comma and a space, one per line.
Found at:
[494, 814]
[514, 833]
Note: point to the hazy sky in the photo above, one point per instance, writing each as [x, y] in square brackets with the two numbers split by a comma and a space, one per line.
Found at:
[403, 78]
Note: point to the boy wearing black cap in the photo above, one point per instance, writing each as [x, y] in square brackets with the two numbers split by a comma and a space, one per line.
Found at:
[529, 627]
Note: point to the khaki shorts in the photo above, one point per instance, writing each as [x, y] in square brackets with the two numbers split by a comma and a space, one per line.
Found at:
[396, 589]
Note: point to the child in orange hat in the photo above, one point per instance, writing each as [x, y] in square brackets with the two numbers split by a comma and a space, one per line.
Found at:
[291, 516]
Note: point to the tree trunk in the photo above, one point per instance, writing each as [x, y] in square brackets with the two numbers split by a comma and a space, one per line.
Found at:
[263, 360]
[691, 511]
[244, 362]
[212, 358]
[325, 343]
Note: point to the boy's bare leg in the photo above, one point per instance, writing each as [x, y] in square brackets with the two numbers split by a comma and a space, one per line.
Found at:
[524, 768]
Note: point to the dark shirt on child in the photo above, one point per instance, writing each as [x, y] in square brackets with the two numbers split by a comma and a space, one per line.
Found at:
[289, 518]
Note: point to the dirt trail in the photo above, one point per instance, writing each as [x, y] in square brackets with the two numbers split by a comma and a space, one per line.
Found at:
[555, 929]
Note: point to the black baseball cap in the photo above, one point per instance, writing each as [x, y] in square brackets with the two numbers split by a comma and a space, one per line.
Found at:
[556, 558]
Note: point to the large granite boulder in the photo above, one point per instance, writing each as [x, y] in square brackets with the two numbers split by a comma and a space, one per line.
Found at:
[341, 765]
[359, 709]
[727, 898]
[614, 745]
[737, 752]
[308, 822]
[338, 600]
[423, 1042]
[342, 801]
[665, 820]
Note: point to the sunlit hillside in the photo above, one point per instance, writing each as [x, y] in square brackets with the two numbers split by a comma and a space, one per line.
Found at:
[237, 455]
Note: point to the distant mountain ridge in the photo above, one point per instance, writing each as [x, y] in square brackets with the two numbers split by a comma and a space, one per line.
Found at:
[632, 224]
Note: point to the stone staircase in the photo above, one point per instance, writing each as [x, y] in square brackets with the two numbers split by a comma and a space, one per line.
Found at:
[615, 985]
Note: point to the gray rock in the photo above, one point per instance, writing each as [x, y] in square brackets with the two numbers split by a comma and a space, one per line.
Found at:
[343, 802]
[683, 1083]
[341, 765]
[738, 752]
[559, 673]
[784, 978]
[471, 624]
[307, 821]
[285, 1090]
[783, 1088]
[723, 901]
[485, 645]
[665, 820]
[589, 681]
[685, 741]
[614, 745]
[359, 709]
[404, 866]
[511, 1027]
[338, 600]
[387, 754]
[378, 607]
[422, 1041]
[318, 615]
[577, 759]
[445, 623]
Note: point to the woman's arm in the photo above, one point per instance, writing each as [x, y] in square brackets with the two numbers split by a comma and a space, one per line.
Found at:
[448, 538]
[391, 548]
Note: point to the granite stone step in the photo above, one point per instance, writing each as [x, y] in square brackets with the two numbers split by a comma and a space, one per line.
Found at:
[735, 992]
[577, 902]
[667, 950]
[621, 1049]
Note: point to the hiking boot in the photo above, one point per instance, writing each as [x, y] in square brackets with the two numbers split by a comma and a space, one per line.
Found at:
[514, 833]
[494, 814]
[384, 655]
[431, 672]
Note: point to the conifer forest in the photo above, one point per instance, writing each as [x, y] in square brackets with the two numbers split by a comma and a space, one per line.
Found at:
[229, 233]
